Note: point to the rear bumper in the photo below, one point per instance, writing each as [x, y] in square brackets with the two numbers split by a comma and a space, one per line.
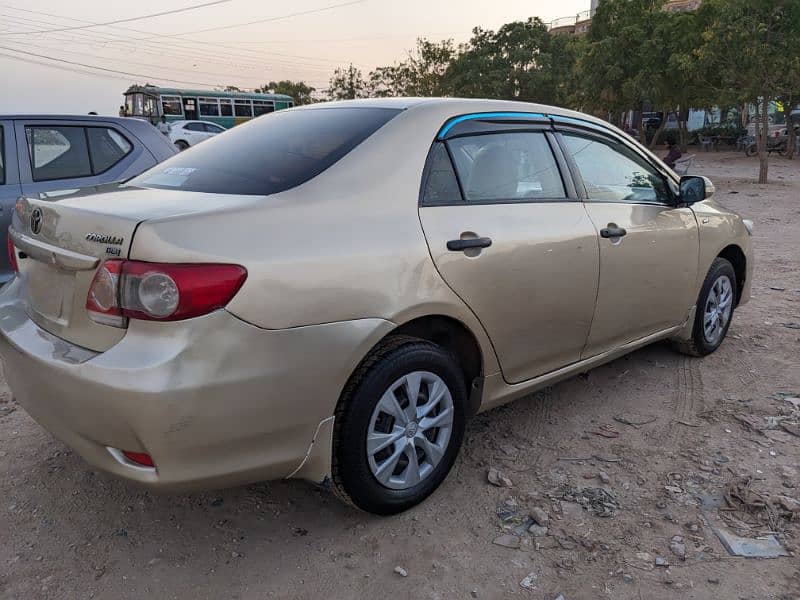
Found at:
[215, 401]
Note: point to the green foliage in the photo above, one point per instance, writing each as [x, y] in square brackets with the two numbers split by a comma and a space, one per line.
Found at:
[347, 84]
[299, 90]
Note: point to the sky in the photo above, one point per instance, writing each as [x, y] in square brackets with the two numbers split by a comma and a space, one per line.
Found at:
[300, 40]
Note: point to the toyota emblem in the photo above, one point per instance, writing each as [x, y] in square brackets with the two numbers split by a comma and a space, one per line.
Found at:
[36, 220]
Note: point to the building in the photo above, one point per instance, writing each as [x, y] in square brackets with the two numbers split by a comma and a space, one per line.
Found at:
[580, 23]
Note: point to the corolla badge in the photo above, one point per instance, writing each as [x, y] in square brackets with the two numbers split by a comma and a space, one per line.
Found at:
[104, 239]
[36, 220]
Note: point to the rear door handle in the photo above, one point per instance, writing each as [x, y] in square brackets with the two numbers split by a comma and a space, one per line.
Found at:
[459, 245]
[612, 231]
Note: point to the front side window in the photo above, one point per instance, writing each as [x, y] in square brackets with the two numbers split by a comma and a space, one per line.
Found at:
[268, 155]
[106, 148]
[58, 152]
[613, 173]
[506, 167]
[208, 107]
[195, 126]
[243, 108]
[171, 105]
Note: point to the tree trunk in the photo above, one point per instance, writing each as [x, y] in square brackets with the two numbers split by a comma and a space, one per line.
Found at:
[763, 158]
[792, 141]
[660, 130]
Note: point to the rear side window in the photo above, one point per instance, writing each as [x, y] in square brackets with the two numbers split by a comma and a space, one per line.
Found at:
[106, 148]
[441, 186]
[195, 127]
[268, 155]
[58, 152]
[506, 167]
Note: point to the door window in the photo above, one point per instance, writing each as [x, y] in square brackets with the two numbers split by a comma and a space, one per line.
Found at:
[58, 152]
[211, 128]
[106, 148]
[506, 167]
[613, 173]
[195, 127]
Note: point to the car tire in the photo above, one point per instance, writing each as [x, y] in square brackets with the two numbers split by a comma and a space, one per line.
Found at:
[364, 422]
[719, 288]
[181, 145]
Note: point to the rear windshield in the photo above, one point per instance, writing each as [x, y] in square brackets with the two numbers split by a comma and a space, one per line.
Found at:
[269, 154]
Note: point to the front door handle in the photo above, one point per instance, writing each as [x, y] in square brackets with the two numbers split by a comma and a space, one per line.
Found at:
[459, 245]
[612, 231]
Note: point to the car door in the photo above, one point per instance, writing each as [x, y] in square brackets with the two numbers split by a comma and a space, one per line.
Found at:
[194, 132]
[649, 245]
[9, 189]
[510, 237]
[61, 155]
[212, 130]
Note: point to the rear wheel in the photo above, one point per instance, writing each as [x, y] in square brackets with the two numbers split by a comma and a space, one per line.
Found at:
[181, 145]
[751, 150]
[399, 426]
[714, 310]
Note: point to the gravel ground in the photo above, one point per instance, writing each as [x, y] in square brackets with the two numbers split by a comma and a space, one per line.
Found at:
[700, 427]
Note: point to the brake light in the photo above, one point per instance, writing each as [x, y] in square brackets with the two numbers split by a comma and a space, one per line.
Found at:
[160, 291]
[140, 458]
[12, 255]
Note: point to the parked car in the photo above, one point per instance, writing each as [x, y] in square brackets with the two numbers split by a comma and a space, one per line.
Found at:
[188, 133]
[48, 154]
[331, 292]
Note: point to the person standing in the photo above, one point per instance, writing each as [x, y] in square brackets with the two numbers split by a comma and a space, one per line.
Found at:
[163, 126]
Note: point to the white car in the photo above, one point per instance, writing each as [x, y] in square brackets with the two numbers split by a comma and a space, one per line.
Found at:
[188, 133]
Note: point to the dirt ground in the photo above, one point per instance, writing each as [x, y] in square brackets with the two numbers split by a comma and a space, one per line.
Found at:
[700, 427]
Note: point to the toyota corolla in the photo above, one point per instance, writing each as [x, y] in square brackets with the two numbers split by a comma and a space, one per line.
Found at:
[331, 292]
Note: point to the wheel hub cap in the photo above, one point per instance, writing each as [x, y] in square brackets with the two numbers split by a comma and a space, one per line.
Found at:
[409, 430]
[718, 308]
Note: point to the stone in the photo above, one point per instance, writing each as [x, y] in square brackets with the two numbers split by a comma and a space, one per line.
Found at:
[540, 516]
[529, 582]
[537, 531]
[507, 541]
[678, 547]
[661, 561]
[603, 476]
[496, 477]
[401, 571]
[627, 578]
[713, 580]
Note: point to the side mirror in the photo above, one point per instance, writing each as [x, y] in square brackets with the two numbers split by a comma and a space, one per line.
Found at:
[694, 189]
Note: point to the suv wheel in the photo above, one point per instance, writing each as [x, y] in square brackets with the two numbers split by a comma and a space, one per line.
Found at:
[399, 426]
[714, 310]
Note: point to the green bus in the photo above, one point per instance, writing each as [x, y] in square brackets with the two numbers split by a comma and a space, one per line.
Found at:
[223, 108]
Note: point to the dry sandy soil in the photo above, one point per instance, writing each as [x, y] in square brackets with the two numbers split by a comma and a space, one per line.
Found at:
[69, 532]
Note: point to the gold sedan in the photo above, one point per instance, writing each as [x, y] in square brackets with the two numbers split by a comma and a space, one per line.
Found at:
[331, 292]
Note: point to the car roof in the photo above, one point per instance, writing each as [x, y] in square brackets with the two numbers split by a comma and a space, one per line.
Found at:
[44, 116]
[455, 106]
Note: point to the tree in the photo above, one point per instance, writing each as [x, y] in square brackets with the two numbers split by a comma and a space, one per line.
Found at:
[749, 50]
[347, 84]
[517, 62]
[423, 73]
[299, 90]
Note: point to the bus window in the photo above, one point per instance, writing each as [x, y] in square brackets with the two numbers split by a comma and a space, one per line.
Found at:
[226, 107]
[208, 107]
[138, 109]
[129, 104]
[261, 107]
[150, 109]
[171, 105]
[243, 108]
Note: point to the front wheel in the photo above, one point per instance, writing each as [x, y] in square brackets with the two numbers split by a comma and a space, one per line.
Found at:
[399, 426]
[751, 150]
[714, 310]
[181, 145]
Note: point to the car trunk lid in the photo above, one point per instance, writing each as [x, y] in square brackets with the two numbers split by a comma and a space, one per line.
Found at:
[61, 245]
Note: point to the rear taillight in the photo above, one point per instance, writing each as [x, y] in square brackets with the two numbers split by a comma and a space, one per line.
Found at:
[160, 291]
[12, 255]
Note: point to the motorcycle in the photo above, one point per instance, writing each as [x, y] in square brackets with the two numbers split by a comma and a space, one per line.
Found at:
[774, 144]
